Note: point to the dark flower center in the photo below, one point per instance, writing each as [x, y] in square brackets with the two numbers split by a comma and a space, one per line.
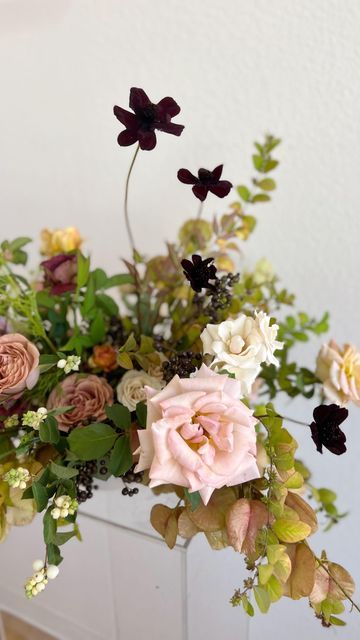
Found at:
[148, 114]
[206, 177]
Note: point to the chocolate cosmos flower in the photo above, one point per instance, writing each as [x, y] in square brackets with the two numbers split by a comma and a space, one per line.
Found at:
[205, 182]
[141, 125]
[199, 272]
[325, 430]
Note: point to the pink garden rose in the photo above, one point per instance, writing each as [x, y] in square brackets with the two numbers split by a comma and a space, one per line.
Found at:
[19, 360]
[88, 394]
[199, 434]
[338, 368]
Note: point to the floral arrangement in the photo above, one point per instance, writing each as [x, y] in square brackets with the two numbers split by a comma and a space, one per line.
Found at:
[165, 375]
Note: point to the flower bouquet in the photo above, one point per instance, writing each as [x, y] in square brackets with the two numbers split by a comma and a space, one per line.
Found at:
[165, 376]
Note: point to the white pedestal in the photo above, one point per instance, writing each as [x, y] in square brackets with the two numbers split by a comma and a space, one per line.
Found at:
[123, 582]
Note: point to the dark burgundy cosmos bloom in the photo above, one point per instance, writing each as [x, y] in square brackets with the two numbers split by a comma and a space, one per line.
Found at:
[141, 125]
[205, 182]
[60, 273]
[199, 272]
[325, 430]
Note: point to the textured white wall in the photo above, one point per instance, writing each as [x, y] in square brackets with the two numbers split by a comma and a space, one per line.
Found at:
[237, 68]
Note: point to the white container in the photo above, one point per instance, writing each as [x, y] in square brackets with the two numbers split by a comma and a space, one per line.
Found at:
[123, 582]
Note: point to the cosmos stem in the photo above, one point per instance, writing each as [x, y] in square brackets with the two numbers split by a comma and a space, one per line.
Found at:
[126, 211]
[200, 210]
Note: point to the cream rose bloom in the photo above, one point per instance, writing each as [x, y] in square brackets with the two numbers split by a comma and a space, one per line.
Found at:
[241, 345]
[339, 371]
[131, 388]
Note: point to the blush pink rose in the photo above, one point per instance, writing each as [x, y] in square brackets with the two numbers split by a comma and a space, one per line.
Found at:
[88, 394]
[19, 365]
[199, 434]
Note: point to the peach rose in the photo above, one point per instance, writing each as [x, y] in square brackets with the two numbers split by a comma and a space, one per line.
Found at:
[339, 371]
[199, 434]
[105, 357]
[19, 362]
[88, 394]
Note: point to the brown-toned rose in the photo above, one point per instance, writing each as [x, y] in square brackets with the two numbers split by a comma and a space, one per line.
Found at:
[105, 357]
[88, 394]
[19, 361]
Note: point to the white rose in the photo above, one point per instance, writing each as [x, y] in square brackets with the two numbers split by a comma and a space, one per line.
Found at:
[241, 345]
[131, 388]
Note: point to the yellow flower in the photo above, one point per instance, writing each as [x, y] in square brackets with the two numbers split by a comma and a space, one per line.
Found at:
[60, 241]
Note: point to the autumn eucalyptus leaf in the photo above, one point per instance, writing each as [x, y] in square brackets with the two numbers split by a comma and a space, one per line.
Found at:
[211, 517]
[326, 587]
[265, 572]
[303, 509]
[217, 539]
[301, 580]
[187, 528]
[165, 521]
[291, 530]
[262, 598]
[244, 520]
[274, 588]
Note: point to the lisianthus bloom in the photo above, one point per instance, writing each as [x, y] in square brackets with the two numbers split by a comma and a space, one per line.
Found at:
[60, 241]
[205, 182]
[60, 273]
[131, 388]
[19, 365]
[339, 371]
[241, 345]
[104, 357]
[88, 394]
[198, 435]
[325, 430]
[199, 272]
[148, 117]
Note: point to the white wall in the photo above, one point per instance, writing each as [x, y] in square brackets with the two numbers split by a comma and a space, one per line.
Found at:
[237, 68]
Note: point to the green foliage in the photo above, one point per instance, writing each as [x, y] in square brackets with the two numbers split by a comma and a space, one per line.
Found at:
[121, 459]
[92, 442]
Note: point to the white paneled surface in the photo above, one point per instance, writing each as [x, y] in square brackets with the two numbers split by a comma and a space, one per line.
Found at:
[237, 68]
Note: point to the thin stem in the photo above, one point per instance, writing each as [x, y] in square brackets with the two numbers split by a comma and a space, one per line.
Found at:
[126, 212]
[304, 424]
[200, 209]
[347, 596]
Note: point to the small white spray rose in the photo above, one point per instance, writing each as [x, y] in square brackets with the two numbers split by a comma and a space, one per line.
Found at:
[240, 346]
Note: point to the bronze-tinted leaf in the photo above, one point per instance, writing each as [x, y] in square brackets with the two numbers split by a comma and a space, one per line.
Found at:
[165, 521]
[326, 587]
[159, 517]
[305, 512]
[302, 577]
[244, 520]
[187, 528]
[217, 539]
[212, 516]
